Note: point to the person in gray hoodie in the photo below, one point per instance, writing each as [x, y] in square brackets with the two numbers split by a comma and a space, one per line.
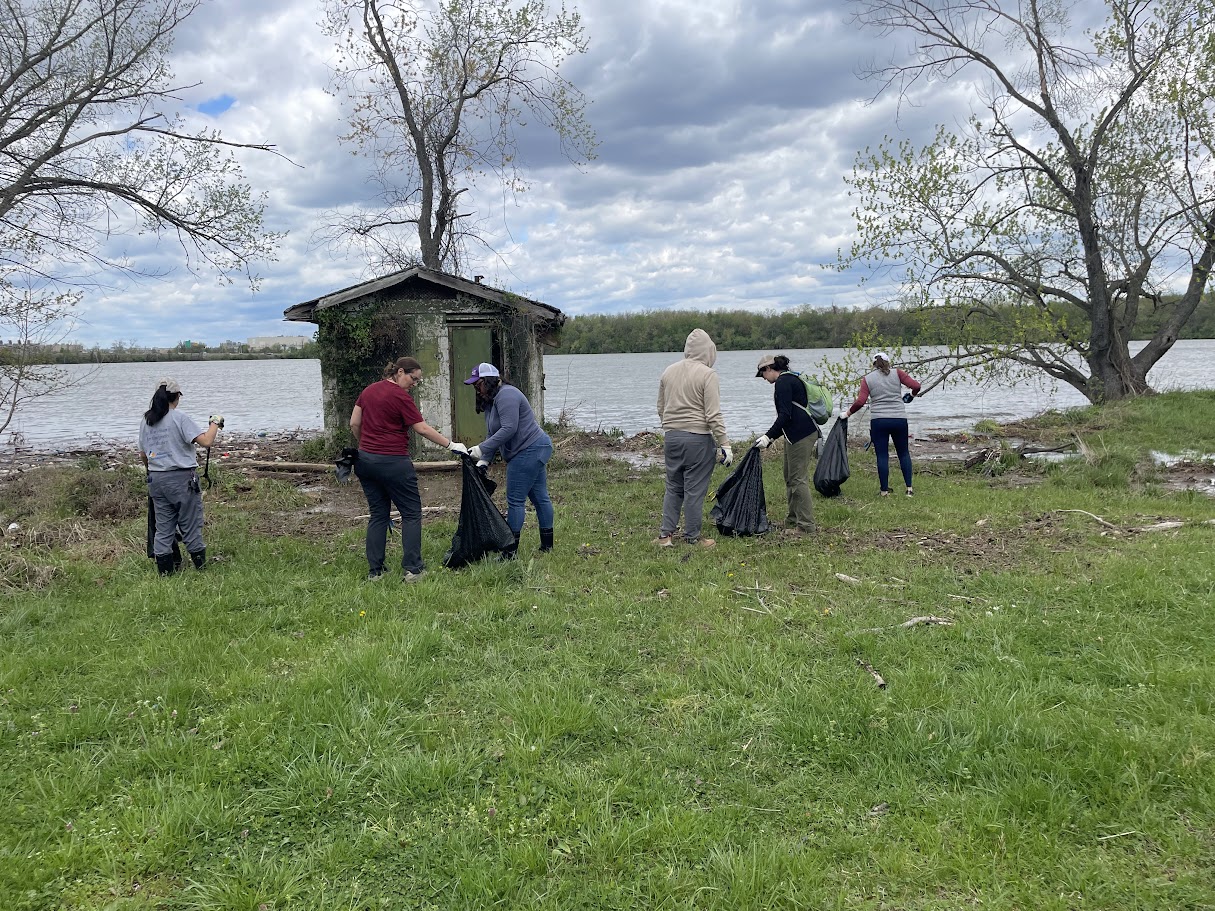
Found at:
[689, 408]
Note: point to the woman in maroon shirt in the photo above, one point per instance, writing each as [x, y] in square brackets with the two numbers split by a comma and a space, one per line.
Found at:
[383, 415]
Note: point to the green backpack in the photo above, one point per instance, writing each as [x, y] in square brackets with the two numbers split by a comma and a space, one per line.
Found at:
[818, 401]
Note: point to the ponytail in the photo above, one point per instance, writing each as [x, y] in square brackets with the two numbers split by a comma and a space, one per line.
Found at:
[408, 364]
[162, 401]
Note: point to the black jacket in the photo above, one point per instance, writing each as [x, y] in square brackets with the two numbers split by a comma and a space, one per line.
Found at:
[792, 421]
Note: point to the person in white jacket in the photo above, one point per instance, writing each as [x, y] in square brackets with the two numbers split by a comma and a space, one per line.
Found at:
[689, 408]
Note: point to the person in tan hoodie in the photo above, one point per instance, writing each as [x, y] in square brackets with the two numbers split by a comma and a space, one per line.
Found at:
[689, 407]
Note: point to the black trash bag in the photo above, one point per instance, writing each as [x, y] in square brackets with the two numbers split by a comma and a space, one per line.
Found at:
[741, 507]
[481, 530]
[832, 470]
[345, 465]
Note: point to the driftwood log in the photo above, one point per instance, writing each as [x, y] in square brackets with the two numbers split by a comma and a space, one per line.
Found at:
[320, 467]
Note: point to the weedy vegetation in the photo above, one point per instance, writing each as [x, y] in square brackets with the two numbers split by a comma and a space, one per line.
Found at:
[615, 726]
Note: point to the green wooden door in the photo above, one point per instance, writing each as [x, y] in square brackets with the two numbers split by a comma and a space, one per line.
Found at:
[470, 345]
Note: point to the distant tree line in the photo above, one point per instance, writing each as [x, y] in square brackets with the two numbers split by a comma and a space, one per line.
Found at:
[120, 353]
[806, 327]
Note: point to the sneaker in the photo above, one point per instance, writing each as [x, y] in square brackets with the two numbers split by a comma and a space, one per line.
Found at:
[703, 542]
[885, 493]
[910, 492]
[374, 576]
[668, 541]
[410, 578]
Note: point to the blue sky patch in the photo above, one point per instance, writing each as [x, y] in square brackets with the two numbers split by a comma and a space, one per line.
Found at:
[213, 107]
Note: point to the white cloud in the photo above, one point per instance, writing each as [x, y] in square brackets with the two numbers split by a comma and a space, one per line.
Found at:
[725, 127]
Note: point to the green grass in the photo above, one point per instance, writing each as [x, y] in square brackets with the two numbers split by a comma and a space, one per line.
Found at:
[613, 726]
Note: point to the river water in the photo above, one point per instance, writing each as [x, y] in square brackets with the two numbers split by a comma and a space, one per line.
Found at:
[593, 391]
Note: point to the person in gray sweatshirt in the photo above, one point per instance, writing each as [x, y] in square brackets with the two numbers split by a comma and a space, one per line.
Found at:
[525, 447]
[882, 387]
[689, 408]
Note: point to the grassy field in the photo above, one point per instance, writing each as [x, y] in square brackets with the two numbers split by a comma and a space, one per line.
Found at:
[614, 726]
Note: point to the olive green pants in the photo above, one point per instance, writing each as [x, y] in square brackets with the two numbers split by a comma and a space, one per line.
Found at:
[797, 483]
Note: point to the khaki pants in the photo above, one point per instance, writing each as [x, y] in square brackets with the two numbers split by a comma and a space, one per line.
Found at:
[797, 483]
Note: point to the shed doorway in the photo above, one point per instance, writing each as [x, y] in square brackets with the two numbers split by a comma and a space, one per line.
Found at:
[470, 346]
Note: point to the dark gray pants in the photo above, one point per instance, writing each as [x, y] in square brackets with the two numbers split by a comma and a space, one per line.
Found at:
[390, 480]
[177, 501]
[689, 459]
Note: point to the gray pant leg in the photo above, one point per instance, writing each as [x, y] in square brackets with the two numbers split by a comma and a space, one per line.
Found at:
[797, 483]
[177, 505]
[689, 460]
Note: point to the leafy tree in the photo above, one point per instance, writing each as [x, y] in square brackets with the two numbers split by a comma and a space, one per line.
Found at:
[437, 99]
[1076, 202]
[90, 149]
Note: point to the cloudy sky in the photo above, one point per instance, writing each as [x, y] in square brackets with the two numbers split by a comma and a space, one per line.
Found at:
[725, 130]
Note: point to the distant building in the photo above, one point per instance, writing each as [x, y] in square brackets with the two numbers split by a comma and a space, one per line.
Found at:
[261, 342]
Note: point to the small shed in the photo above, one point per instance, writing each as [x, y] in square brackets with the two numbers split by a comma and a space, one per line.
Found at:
[450, 324]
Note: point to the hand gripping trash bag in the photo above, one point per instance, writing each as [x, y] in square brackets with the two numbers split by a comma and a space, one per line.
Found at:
[481, 529]
[741, 508]
[832, 469]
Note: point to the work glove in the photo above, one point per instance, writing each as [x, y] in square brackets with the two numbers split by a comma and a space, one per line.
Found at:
[475, 452]
[457, 448]
[763, 442]
[217, 419]
[908, 397]
[725, 455]
[482, 463]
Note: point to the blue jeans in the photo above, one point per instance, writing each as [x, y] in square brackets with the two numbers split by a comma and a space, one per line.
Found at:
[390, 480]
[882, 431]
[527, 479]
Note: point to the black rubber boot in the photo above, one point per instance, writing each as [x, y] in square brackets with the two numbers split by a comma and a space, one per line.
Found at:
[176, 555]
[199, 557]
[164, 564]
[546, 540]
[511, 550]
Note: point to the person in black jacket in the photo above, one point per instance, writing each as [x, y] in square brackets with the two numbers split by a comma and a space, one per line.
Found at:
[794, 422]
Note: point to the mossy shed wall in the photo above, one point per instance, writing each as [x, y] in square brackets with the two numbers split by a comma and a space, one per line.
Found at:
[358, 338]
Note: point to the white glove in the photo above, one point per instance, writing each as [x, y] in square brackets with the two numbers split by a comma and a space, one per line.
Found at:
[763, 442]
[482, 464]
[726, 455]
[475, 452]
[217, 419]
[458, 448]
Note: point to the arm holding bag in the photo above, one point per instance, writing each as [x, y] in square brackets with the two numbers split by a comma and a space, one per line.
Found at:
[481, 530]
[832, 469]
[741, 508]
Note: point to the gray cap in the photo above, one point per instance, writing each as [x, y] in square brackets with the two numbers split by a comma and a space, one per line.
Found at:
[169, 384]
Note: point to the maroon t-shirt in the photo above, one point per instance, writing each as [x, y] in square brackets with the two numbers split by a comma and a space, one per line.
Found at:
[388, 413]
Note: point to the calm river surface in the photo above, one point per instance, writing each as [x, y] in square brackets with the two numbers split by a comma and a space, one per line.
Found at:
[595, 391]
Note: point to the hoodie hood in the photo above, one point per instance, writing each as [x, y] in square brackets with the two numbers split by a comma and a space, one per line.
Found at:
[699, 347]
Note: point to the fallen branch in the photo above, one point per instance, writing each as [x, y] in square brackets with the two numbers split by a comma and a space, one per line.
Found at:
[906, 624]
[1161, 526]
[1098, 519]
[876, 676]
[325, 466]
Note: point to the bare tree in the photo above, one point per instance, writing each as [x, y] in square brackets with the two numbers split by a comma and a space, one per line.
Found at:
[437, 97]
[1080, 192]
[90, 149]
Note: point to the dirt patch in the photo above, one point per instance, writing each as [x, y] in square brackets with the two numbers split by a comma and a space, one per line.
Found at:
[982, 549]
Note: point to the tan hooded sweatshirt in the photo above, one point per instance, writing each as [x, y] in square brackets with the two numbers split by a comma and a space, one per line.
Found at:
[689, 393]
